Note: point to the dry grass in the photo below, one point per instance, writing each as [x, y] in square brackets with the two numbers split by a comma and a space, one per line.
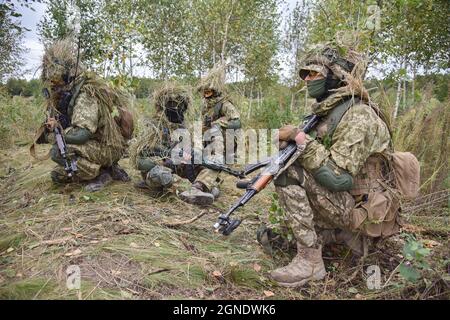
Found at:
[120, 240]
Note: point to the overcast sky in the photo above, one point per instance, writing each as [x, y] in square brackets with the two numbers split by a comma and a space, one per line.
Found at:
[30, 20]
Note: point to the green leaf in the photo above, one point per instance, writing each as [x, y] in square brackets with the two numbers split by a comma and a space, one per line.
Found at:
[409, 273]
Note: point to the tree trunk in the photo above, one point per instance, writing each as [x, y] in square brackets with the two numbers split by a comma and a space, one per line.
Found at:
[225, 37]
[397, 99]
[399, 92]
[249, 113]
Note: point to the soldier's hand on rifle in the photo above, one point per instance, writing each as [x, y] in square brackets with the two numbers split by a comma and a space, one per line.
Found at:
[290, 133]
[51, 123]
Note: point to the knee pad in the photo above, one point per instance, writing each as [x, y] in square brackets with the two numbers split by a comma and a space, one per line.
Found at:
[161, 176]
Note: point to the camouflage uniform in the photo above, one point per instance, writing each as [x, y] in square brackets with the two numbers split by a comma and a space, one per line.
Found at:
[164, 176]
[151, 152]
[94, 154]
[360, 134]
[341, 186]
[83, 105]
[227, 112]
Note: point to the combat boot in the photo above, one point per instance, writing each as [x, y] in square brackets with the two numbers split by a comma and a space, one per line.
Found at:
[102, 180]
[306, 266]
[197, 195]
[59, 178]
[119, 174]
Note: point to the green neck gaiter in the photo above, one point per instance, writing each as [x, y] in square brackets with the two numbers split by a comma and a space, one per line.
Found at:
[317, 88]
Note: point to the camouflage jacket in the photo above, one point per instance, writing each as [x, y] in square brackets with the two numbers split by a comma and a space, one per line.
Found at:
[359, 134]
[219, 110]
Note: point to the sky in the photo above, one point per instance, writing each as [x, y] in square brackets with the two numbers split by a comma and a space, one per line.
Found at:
[30, 20]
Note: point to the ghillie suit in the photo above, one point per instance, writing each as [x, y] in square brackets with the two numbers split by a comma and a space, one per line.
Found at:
[218, 114]
[150, 153]
[84, 106]
[342, 188]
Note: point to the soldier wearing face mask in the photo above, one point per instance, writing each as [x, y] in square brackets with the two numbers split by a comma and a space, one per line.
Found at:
[341, 188]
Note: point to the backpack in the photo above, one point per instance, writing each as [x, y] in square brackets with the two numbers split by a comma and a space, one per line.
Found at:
[125, 122]
[406, 169]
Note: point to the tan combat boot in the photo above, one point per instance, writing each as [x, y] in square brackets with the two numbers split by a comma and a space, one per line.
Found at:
[306, 266]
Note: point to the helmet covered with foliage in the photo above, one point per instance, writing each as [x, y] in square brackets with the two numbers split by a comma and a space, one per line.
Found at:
[340, 63]
[174, 100]
[61, 62]
[214, 80]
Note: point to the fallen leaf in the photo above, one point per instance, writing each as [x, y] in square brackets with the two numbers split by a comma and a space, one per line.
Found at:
[268, 293]
[73, 253]
[352, 290]
[217, 274]
[257, 267]
[428, 243]
[9, 250]
[125, 222]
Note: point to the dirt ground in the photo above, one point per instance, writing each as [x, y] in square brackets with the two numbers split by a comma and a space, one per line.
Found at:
[122, 242]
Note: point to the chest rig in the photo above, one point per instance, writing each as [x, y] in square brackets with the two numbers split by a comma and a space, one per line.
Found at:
[375, 172]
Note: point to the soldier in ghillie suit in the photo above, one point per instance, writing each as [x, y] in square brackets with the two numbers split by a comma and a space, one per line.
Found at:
[82, 105]
[218, 114]
[151, 152]
[341, 188]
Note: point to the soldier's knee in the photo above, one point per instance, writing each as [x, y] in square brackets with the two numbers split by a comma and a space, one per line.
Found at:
[161, 176]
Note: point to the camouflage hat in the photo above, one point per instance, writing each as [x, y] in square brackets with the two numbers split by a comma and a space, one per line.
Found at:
[214, 80]
[61, 61]
[172, 92]
[340, 60]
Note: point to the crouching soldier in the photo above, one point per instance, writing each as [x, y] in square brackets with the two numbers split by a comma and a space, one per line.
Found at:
[341, 189]
[218, 114]
[151, 153]
[81, 108]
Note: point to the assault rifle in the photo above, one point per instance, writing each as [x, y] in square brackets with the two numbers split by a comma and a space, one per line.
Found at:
[70, 163]
[158, 152]
[273, 167]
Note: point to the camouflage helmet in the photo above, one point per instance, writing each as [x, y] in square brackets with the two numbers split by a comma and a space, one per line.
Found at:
[61, 61]
[214, 80]
[344, 62]
[173, 94]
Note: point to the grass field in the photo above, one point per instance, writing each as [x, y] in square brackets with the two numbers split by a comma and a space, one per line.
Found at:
[123, 243]
[127, 247]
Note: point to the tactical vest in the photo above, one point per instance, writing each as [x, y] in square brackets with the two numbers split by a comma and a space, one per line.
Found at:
[375, 174]
[215, 115]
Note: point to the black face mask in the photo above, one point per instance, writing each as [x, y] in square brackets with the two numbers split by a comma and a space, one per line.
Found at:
[174, 112]
[331, 82]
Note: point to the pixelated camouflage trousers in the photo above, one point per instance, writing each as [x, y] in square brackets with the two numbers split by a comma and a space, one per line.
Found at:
[310, 208]
[210, 178]
[91, 157]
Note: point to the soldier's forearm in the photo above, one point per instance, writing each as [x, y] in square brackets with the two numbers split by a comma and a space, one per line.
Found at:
[145, 164]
